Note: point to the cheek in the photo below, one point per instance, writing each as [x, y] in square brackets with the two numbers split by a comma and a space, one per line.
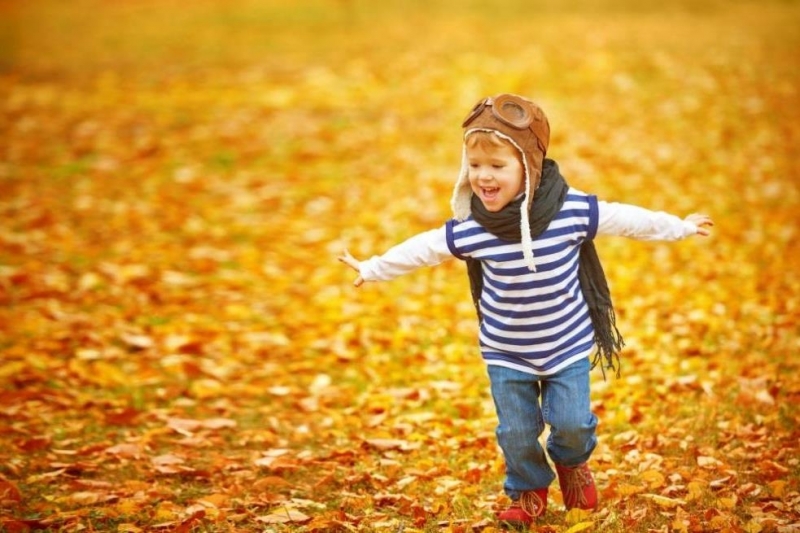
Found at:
[521, 185]
[473, 174]
[518, 181]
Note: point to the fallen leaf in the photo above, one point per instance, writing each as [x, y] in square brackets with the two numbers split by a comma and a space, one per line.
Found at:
[285, 516]
[777, 488]
[662, 501]
[9, 494]
[580, 526]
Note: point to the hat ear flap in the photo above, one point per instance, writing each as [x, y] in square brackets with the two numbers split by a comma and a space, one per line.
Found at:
[462, 193]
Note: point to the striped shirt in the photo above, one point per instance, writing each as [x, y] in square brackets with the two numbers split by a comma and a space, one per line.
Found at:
[536, 322]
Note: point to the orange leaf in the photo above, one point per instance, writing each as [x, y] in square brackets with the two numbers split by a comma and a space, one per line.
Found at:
[9, 494]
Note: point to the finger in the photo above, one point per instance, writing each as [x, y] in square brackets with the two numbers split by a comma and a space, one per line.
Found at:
[349, 260]
[702, 229]
[359, 281]
[705, 222]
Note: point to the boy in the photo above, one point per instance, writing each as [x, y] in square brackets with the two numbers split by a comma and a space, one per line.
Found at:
[539, 289]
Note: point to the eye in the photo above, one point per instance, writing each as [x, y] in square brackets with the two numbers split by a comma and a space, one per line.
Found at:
[498, 166]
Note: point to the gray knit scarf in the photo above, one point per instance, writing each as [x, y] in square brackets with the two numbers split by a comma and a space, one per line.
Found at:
[547, 202]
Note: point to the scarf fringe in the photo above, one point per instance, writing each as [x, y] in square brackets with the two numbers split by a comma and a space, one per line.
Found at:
[608, 340]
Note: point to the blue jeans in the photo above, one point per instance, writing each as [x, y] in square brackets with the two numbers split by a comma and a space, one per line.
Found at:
[565, 407]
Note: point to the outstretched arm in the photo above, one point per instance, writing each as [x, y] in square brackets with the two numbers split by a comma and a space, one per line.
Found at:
[636, 222]
[425, 249]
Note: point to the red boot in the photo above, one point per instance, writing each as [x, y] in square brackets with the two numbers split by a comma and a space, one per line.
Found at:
[577, 486]
[522, 512]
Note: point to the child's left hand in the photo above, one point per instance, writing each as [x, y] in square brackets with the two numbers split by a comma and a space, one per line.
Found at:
[703, 222]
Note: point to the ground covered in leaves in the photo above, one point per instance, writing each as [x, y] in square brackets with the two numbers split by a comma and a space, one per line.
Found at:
[180, 350]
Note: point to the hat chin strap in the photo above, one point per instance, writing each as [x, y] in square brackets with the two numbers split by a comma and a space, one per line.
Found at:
[462, 195]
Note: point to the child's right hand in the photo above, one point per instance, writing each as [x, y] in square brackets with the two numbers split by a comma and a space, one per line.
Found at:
[353, 263]
[703, 222]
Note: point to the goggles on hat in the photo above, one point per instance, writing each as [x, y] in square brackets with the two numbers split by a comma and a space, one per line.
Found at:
[509, 109]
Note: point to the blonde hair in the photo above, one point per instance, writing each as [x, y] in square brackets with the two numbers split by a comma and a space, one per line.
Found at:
[486, 140]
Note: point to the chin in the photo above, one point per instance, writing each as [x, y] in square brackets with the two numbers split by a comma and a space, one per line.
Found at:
[492, 208]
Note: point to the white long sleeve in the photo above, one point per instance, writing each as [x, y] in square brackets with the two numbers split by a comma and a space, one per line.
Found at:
[625, 220]
[424, 249]
[430, 248]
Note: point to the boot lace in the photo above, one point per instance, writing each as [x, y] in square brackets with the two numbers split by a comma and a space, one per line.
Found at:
[574, 480]
[530, 502]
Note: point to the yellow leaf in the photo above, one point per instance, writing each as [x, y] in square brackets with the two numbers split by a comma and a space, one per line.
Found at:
[653, 478]
[752, 527]
[580, 526]
[663, 501]
[100, 373]
[681, 525]
[626, 489]
[575, 516]
[108, 373]
[127, 507]
[128, 528]
[696, 490]
[238, 311]
[718, 522]
[728, 503]
[11, 369]
[206, 388]
[167, 511]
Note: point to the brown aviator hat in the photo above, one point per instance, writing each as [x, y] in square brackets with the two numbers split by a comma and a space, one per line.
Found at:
[523, 124]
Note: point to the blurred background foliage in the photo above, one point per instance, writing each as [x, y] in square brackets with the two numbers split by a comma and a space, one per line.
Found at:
[177, 178]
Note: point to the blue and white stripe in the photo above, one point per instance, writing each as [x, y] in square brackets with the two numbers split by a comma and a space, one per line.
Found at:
[537, 322]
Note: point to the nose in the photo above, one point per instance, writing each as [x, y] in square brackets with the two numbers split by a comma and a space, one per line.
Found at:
[485, 174]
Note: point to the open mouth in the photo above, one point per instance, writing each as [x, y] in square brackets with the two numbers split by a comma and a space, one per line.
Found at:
[490, 193]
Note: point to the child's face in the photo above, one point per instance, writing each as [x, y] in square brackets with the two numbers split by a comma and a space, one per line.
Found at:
[496, 174]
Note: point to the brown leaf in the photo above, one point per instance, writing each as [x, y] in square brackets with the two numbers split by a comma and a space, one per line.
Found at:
[125, 450]
[187, 525]
[285, 516]
[167, 459]
[122, 417]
